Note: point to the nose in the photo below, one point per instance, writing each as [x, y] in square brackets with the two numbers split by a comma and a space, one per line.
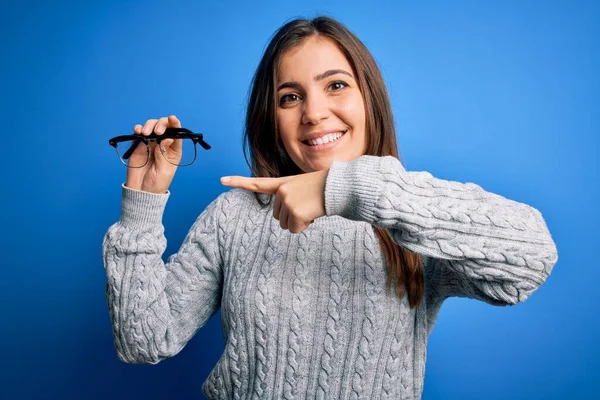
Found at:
[316, 108]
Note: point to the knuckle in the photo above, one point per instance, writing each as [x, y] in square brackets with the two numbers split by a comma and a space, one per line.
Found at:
[282, 192]
[175, 121]
[299, 227]
[293, 225]
[149, 126]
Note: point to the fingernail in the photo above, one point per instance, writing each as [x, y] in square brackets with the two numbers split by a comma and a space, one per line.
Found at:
[225, 179]
[160, 129]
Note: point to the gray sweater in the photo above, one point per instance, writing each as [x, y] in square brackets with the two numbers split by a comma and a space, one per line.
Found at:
[308, 315]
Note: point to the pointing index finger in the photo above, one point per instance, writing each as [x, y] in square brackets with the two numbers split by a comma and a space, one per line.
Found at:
[259, 185]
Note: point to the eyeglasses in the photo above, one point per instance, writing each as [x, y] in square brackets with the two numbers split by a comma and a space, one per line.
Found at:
[135, 150]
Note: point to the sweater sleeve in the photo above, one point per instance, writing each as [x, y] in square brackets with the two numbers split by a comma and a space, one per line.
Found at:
[480, 244]
[156, 307]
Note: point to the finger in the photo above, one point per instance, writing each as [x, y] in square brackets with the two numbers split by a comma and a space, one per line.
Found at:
[167, 144]
[283, 218]
[259, 185]
[177, 145]
[149, 126]
[277, 207]
[302, 227]
[169, 122]
[174, 122]
[173, 146]
[137, 129]
[295, 225]
[161, 125]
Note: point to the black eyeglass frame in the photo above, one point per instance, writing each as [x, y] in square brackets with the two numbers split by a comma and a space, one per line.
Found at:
[170, 133]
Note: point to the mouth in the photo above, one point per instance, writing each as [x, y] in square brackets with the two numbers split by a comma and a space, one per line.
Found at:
[325, 143]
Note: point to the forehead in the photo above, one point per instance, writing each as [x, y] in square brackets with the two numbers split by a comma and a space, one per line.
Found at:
[313, 56]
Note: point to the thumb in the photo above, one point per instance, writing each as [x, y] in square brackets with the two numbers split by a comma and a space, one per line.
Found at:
[173, 121]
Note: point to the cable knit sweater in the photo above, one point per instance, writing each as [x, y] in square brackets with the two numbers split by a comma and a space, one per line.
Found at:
[308, 315]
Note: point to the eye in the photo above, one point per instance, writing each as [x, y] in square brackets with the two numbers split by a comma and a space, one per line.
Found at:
[283, 98]
[337, 83]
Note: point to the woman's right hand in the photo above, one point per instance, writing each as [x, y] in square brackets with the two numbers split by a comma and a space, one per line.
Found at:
[156, 176]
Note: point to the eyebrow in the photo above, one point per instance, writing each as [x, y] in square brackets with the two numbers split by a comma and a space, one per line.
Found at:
[317, 78]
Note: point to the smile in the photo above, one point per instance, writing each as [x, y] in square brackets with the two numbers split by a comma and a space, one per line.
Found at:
[325, 143]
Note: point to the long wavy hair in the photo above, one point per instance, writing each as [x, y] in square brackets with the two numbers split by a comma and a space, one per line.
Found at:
[268, 157]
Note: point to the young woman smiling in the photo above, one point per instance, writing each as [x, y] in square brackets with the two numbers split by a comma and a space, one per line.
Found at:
[298, 256]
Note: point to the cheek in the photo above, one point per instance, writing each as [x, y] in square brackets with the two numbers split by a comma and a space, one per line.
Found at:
[286, 123]
[288, 143]
[353, 109]
[283, 126]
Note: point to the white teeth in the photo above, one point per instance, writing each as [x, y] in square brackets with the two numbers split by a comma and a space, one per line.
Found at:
[325, 139]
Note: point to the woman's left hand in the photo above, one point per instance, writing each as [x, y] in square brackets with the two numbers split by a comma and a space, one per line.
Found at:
[299, 199]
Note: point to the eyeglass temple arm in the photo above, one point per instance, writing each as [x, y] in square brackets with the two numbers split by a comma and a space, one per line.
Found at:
[205, 145]
[131, 149]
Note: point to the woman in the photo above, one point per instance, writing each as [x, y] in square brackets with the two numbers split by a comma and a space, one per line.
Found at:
[298, 257]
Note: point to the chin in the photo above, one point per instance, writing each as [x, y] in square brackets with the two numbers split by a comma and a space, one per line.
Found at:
[323, 162]
[321, 166]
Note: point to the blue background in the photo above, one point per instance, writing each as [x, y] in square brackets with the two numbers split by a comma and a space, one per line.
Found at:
[501, 93]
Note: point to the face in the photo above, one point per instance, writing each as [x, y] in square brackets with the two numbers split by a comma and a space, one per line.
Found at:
[318, 100]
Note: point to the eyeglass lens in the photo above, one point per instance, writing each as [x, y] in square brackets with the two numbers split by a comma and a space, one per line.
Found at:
[135, 153]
